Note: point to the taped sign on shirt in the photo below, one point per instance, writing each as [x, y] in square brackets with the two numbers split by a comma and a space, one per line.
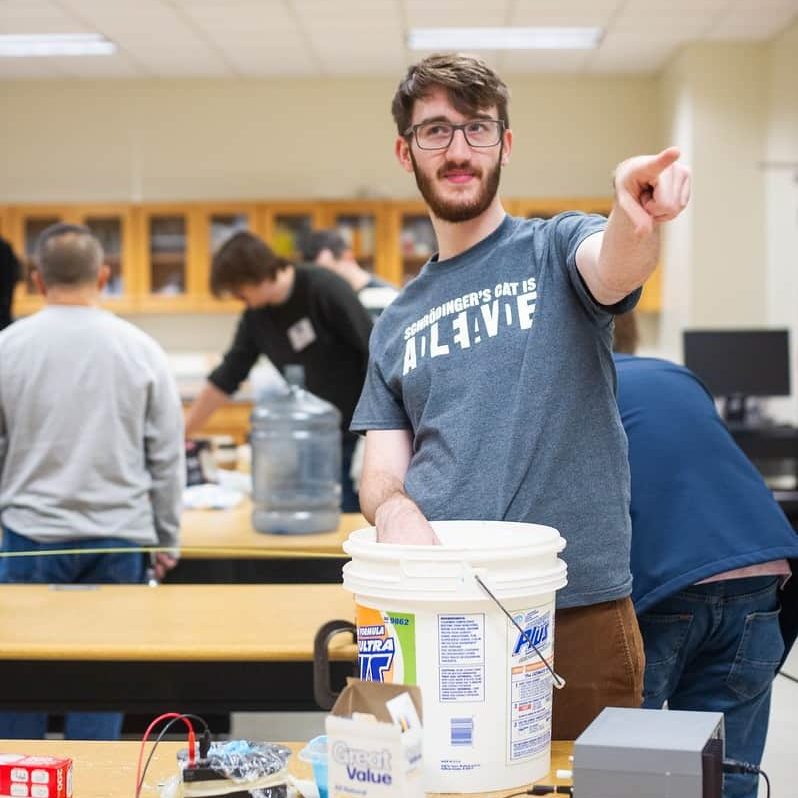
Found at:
[301, 334]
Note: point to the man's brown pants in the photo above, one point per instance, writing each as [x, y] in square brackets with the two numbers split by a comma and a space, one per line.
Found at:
[598, 650]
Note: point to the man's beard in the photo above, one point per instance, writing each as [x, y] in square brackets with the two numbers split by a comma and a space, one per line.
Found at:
[456, 211]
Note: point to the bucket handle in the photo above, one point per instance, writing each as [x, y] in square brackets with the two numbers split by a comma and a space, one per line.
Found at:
[557, 680]
[322, 679]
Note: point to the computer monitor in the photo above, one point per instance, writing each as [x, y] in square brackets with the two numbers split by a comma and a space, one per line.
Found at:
[736, 364]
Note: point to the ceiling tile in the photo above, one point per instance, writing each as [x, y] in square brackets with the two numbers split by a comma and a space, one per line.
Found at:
[293, 62]
[760, 22]
[243, 17]
[454, 13]
[324, 11]
[281, 37]
[37, 16]
[596, 13]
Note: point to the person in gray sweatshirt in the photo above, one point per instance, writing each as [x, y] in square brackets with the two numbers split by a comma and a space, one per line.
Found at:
[91, 445]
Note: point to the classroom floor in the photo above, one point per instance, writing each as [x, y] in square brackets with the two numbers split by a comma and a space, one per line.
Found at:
[780, 751]
[778, 762]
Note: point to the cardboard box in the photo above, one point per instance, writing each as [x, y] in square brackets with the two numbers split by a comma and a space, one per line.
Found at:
[35, 776]
[374, 739]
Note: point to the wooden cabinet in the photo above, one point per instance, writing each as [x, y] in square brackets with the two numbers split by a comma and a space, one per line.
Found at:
[24, 227]
[411, 239]
[169, 243]
[216, 223]
[230, 419]
[284, 224]
[651, 301]
[112, 224]
[363, 225]
[160, 254]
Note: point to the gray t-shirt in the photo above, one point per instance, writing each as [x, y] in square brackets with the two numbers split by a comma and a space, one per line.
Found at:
[499, 360]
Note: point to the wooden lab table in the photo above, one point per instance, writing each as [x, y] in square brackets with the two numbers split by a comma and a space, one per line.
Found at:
[191, 648]
[108, 770]
[222, 547]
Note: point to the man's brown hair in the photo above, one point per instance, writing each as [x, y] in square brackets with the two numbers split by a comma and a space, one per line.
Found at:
[625, 334]
[243, 260]
[469, 82]
[68, 255]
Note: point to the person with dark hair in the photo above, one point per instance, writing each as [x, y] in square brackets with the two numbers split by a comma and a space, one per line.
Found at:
[327, 248]
[91, 445]
[490, 390]
[710, 549]
[9, 276]
[625, 333]
[296, 314]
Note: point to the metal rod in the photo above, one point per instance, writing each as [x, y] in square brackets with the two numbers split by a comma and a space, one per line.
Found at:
[558, 680]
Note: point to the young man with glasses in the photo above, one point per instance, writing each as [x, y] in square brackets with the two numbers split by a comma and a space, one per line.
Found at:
[490, 389]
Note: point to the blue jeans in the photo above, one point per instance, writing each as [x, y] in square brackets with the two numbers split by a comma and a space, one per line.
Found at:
[716, 647]
[90, 569]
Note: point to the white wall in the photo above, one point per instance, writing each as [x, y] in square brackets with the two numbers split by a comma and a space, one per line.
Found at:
[133, 140]
[781, 181]
[678, 129]
[188, 332]
[715, 108]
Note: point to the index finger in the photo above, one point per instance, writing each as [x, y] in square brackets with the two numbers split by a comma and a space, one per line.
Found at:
[660, 162]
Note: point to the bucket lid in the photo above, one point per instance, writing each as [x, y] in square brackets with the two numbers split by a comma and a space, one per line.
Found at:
[515, 559]
[495, 540]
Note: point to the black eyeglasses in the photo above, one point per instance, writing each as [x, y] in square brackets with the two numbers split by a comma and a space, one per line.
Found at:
[439, 135]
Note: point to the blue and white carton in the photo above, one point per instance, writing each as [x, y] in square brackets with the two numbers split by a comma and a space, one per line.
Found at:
[374, 739]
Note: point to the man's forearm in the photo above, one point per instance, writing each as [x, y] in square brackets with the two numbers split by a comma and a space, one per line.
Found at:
[626, 259]
[396, 516]
[207, 403]
[378, 489]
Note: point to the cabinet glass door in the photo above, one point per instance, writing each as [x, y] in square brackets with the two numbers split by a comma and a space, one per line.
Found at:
[32, 228]
[360, 233]
[108, 231]
[224, 225]
[168, 254]
[417, 242]
[287, 233]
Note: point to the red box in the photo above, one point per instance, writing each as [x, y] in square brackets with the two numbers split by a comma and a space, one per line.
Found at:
[35, 776]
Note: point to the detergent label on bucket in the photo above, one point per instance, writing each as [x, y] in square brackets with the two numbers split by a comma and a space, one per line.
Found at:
[461, 658]
[530, 683]
[386, 646]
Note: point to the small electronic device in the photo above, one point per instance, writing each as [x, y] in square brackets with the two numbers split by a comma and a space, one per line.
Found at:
[236, 769]
[650, 753]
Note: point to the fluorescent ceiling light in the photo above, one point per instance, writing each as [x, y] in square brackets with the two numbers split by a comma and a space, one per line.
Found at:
[503, 38]
[27, 45]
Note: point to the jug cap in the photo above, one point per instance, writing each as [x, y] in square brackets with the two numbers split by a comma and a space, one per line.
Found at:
[294, 374]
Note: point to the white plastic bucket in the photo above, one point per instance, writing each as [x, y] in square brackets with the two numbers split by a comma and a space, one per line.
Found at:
[423, 619]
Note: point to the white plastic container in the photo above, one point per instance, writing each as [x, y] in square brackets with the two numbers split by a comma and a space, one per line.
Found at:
[423, 619]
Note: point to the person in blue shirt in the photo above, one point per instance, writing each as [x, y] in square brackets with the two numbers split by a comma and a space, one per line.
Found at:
[709, 555]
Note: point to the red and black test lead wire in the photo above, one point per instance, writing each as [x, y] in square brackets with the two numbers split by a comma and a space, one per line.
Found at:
[173, 717]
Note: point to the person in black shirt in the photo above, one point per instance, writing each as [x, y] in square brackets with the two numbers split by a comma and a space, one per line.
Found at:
[295, 315]
[9, 274]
